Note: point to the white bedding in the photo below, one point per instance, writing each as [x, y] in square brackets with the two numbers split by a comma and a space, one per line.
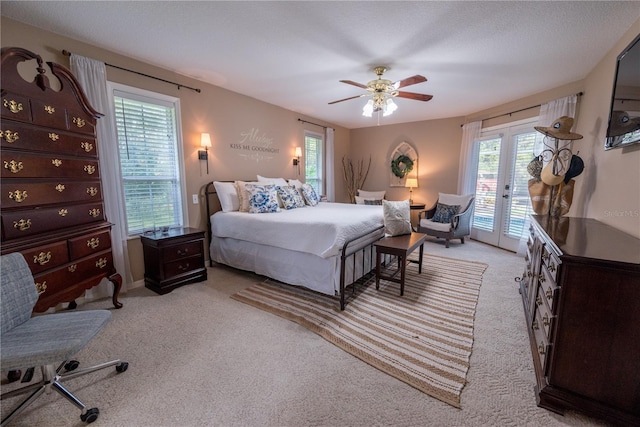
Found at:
[319, 230]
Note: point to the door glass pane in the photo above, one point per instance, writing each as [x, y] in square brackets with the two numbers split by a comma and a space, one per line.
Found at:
[486, 180]
[519, 201]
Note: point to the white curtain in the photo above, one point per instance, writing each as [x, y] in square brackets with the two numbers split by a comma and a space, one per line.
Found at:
[549, 112]
[468, 168]
[92, 76]
[331, 181]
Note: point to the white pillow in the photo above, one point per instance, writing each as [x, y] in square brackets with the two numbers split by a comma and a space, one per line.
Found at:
[279, 182]
[376, 195]
[243, 195]
[397, 217]
[296, 183]
[227, 195]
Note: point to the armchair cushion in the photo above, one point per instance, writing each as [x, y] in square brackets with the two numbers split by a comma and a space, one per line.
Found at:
[445, 212]
[438, 226]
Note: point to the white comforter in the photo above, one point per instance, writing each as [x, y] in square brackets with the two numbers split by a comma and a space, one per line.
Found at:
[320, 230]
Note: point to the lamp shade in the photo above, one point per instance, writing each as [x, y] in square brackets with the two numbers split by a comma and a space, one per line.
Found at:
[411, 183]
[205, 140]
[298, 152]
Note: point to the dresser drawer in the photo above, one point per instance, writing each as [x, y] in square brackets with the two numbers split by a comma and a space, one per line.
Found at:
[49, 113]
[17, 193]
[548, 289]
[21, 136]
[22, 165]
[57, 280]
[26, 223]
[180, 251]
[80, 122]
[542, 343]
[15, 107]
[551, 261]
[544, 313]
[89, 244]
[46, 257]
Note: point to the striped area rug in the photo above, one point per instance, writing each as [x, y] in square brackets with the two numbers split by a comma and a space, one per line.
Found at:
[424, 338]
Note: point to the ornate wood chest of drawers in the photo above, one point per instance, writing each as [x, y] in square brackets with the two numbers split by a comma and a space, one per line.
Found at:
[51, 199]
[581, 297]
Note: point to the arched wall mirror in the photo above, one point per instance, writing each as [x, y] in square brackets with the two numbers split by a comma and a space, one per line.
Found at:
[624, 115]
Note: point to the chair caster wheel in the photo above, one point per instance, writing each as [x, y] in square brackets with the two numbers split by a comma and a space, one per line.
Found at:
[14, 376]
[90, 416]
[122, 367]
[71, 365]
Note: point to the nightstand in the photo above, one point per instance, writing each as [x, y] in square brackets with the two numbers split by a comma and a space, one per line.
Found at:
[414, 217]
[173, 259]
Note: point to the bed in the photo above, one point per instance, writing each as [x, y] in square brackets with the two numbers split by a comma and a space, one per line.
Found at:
[325, 248]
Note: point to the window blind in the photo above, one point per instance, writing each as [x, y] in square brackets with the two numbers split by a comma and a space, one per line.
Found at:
[147, 141]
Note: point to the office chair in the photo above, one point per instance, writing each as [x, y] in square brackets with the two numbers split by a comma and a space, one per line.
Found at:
[43, 340]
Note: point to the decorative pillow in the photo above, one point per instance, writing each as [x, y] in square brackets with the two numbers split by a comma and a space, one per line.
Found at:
[262, 198]
[277, 181]
[290, 197]
[372, 202]
[296, 183]
[377, 195]
[445, 212]
[243, 195]
[397, 217]
[310, 195]
[227, 195]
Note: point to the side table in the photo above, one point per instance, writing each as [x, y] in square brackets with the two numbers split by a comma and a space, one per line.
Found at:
[173, 259]
[415, 207]
[402, 247]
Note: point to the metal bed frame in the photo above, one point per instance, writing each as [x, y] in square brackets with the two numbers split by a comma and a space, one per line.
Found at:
[349, 249]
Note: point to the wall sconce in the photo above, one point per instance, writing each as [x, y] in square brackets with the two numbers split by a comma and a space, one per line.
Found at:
[411, 183]
[296, 159]
[205, 141]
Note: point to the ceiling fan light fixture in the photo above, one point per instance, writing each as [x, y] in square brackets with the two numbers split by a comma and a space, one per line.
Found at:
[367, 110]
[389, 107]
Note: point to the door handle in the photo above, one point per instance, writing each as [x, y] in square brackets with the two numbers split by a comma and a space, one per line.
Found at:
[505, 196]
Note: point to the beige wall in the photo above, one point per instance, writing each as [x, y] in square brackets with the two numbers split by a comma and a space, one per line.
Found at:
[437, 143]
[226, 115]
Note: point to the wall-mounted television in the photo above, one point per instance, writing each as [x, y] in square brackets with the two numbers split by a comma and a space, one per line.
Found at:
[624, 115]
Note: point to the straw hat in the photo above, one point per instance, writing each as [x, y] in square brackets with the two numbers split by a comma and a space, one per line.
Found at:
[559, 129]
[621, 123]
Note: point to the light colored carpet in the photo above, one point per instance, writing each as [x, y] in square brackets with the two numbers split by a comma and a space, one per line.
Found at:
[199, 358]
[423, 338]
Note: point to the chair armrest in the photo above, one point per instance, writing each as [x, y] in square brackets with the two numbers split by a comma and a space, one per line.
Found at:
[428, 213]
[461, 223]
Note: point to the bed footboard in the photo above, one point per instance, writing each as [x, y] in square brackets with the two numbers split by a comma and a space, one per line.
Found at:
[350, 249]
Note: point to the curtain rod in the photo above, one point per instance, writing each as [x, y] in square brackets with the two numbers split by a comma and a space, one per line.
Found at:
[517, 111]
[67, 53]
[311, 123]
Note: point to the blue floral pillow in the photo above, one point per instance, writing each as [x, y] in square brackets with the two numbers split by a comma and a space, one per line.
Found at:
[445, 212]
[290, 197]
[262, 198]
[310, 195]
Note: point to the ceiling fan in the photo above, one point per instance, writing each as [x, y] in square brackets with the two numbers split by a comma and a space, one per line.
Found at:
[382, 91]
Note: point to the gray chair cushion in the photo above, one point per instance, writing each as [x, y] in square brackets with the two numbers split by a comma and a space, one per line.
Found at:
[18, 292]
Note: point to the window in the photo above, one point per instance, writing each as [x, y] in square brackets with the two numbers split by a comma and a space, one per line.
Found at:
[148, 132]
[313, 161]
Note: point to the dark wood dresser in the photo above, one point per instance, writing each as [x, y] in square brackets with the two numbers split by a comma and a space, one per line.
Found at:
[581, 296]
[51, 203]
[173, 259]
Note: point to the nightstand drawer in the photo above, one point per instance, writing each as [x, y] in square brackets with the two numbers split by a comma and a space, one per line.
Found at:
[182, 266]
[184, 250]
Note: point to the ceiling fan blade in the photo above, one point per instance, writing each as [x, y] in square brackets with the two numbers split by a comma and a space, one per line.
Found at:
[416, 96]
[410, 81]
[350, 82]
[351, 97]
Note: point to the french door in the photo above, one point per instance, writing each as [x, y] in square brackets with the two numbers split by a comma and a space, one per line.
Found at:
[501, 156]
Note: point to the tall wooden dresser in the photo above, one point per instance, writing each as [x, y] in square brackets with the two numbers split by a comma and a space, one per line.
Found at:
[51, 199]
[581, 296]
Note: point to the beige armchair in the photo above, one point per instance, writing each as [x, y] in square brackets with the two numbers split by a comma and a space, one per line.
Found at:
[445, 221]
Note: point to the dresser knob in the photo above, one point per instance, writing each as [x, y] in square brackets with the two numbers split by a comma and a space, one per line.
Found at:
[541, 349]
[41, 287]
[42, 258]
[22, 225]
[93, 243]
[9, 136]
[18, 195]
[13, 166]
[13, 106]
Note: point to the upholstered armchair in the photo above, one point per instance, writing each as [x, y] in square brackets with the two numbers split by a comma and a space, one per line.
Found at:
[449, 218]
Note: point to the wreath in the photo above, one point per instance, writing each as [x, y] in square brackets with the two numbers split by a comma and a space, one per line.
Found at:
[401, 166]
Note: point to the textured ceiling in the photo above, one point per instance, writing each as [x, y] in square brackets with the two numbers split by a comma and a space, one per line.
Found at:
[475, 55]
